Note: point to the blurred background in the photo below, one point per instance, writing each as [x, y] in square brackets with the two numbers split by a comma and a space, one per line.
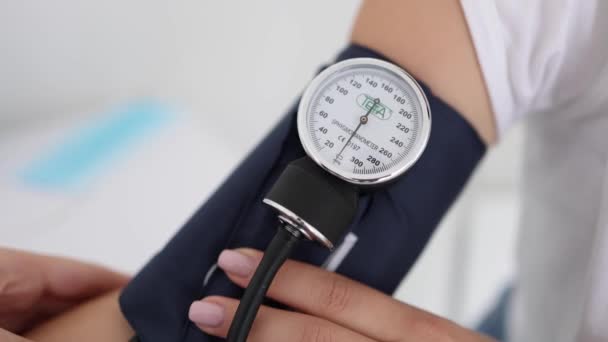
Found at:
[118, 119]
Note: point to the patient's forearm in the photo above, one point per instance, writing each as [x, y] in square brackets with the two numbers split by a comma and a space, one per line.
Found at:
[98, 320]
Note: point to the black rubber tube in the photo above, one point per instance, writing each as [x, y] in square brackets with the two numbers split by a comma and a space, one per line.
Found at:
[275, 255]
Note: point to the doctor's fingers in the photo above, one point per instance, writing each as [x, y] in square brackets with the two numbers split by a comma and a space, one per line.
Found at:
[214, 315]
[35, 286]
[29, 276]
[355, 306]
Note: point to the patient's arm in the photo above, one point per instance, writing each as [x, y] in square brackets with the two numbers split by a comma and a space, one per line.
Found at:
[445, 54]
[97, 320]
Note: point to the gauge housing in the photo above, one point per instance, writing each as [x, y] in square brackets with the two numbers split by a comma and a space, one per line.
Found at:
[390, 71]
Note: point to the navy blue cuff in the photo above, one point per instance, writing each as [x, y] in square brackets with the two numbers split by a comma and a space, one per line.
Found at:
[393, 224]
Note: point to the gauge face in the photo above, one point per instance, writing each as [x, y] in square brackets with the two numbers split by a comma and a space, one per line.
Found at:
[364, 120]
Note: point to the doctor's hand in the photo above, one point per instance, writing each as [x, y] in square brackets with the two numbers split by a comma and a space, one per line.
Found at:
[36, 287]
[328, 307]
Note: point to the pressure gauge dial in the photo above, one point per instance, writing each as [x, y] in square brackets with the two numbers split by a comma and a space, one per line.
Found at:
[364, 120]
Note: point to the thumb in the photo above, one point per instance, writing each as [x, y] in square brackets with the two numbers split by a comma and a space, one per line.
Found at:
[6, 336]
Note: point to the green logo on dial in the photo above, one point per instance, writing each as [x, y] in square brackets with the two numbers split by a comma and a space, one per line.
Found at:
[380, 111]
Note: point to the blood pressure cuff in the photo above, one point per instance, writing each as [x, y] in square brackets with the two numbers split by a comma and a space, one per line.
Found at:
[392, 226]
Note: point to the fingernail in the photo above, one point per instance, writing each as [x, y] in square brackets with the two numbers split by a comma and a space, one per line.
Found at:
[236, 263]
[206, 314]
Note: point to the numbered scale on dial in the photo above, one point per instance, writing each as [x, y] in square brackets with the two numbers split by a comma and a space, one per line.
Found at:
[364, 120]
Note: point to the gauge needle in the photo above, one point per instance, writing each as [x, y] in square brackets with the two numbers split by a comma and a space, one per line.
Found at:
[362, 121]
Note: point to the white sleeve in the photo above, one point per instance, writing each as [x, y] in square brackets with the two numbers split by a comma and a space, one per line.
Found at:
[537, 55]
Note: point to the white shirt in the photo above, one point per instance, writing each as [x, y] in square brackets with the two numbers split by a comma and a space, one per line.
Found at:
[547, 60]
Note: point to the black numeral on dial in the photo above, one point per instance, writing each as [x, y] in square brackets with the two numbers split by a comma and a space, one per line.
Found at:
[357, 162]
[402, 127]
[373, 160]
[388, 88]
[341, 90]
[405, 113]
[397, 141]
[386, 152]
[399, 99]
